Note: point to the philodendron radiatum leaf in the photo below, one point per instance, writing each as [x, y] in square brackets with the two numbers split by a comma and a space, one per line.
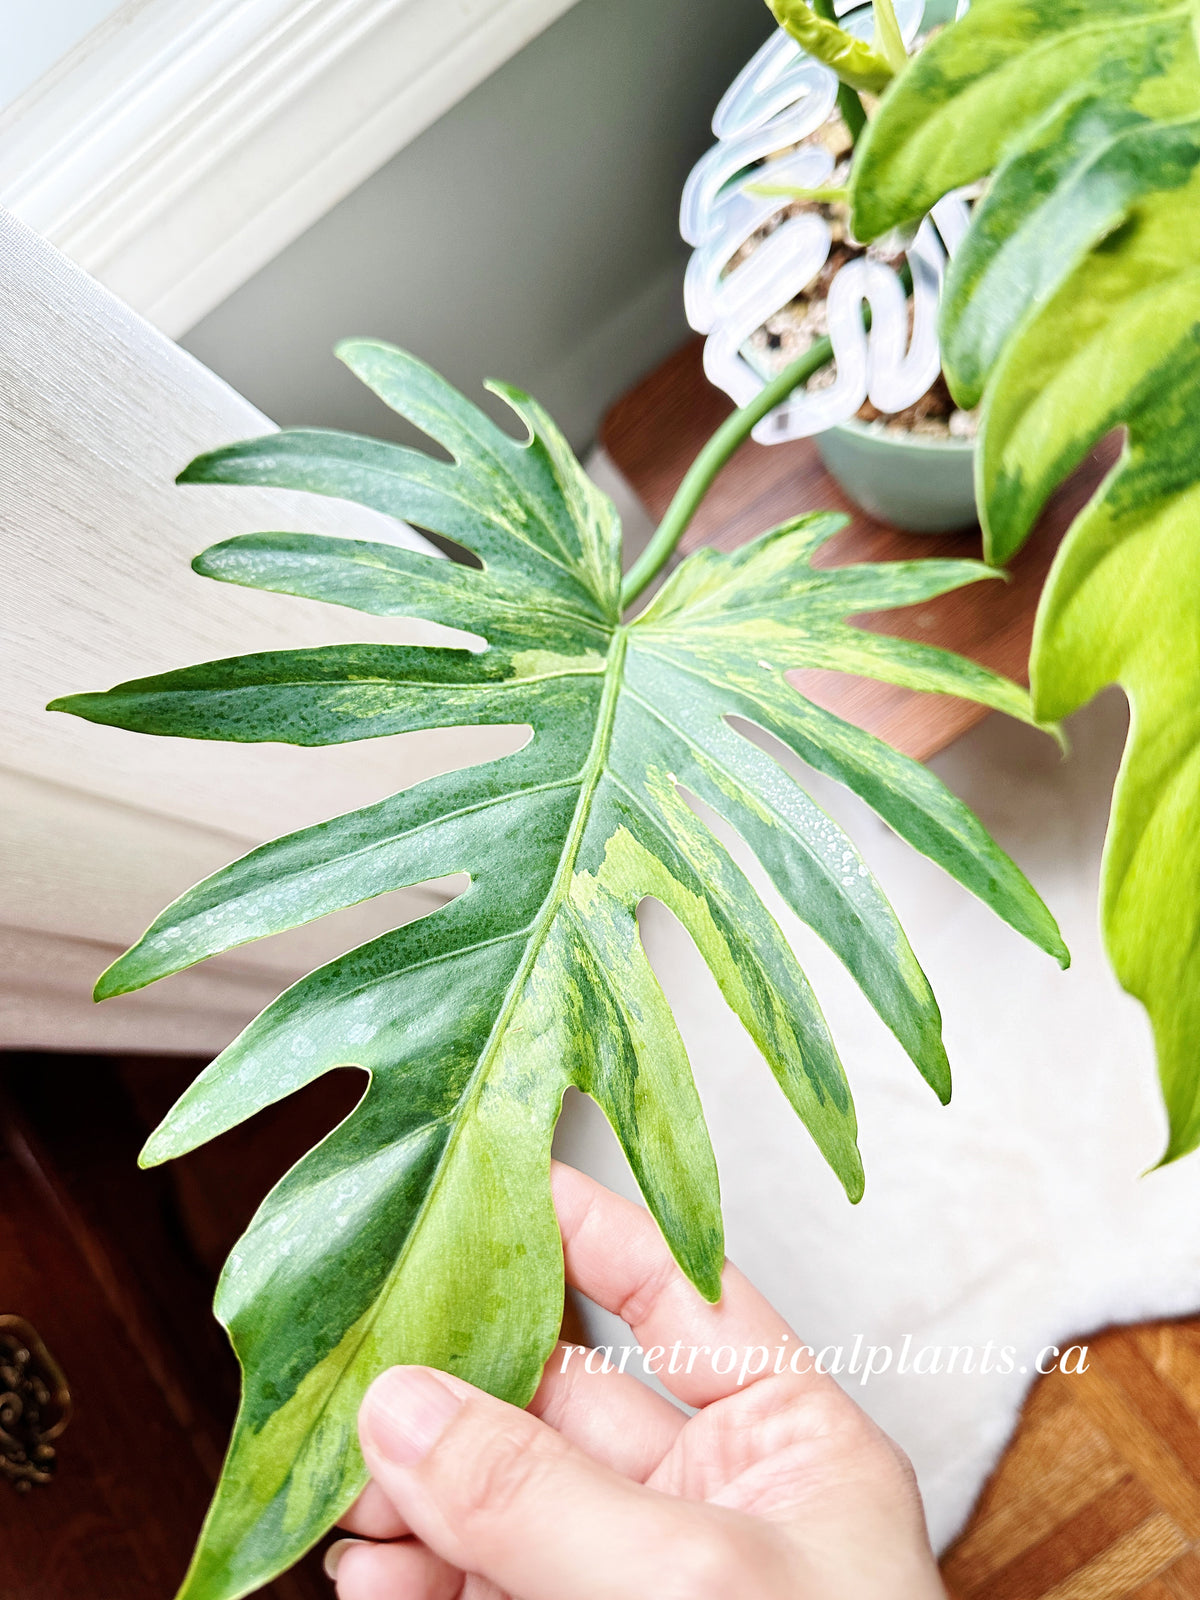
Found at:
[421, 1229]
[1073, 308]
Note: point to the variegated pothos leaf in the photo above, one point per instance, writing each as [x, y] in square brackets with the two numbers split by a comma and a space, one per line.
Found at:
[421, 1229]
[1073, 308]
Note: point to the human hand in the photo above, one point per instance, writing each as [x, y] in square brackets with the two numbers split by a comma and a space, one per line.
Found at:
[779, 1488]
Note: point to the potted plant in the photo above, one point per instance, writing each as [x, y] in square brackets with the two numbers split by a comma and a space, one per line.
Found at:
[913, 466]
[777, 272]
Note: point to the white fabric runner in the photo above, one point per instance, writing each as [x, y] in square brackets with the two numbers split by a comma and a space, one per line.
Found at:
[1016, 1215]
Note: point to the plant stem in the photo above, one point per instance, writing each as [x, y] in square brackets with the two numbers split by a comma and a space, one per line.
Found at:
[829, 197]
[888, 39]
[849, 102]
[734, 431]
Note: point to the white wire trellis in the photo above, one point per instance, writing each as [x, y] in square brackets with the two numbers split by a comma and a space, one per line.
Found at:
[781, 98]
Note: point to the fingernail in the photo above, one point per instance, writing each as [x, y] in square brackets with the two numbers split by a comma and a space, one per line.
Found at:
[405, 1414]
[334, 1554]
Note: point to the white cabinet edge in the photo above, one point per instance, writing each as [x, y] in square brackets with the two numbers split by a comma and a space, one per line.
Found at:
[184, 143]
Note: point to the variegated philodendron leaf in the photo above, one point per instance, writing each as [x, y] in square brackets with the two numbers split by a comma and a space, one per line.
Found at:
[421, 1229]
[1073, 308]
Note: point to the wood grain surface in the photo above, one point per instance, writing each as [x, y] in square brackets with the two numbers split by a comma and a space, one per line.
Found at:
[115, 1269]
[654, 432]
[1098, 1495]
[99, 828]
[116, 1522]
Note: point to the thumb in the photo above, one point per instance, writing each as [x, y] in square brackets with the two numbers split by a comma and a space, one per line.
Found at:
[496, 1492]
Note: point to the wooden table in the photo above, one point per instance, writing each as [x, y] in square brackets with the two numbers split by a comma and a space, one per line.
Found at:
[1098, 1495]
[654, 432]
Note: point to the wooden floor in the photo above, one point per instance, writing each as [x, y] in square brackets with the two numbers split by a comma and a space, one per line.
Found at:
[1098, 1496]
[114, 1268]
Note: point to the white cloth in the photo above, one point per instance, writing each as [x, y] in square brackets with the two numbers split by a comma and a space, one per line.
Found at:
[1016, 1215]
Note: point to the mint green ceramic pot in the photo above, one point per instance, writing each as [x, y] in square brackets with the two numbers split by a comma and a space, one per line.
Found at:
[924, 485]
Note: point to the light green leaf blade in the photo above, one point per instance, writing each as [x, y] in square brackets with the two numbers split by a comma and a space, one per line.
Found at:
[1073, 308]
[1107, 342]
[421, 1228]
[968, 99]
[1072, 185]
[1131, 556]
[1122, 603]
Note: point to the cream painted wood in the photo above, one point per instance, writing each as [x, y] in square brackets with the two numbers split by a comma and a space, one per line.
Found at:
[84, 876]
[184, 143]
[98, 412]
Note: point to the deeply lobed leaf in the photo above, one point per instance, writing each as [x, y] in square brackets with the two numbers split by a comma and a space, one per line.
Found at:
[1073, 308]
[421, 1229]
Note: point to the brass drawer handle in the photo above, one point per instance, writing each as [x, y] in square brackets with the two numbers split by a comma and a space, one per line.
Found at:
[35, 1405]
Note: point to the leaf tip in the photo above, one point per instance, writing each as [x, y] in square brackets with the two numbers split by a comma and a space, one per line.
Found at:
[350, 351]
[1052, 941]
[109, 984]
[91, 707]
[199, 468]
[1003, 532]
[1056, 731]
[711, 1290]
[932, 1062]
[204, 566]
[157, 1148]
[1179, 1144]
[819, 526]
[76, 705]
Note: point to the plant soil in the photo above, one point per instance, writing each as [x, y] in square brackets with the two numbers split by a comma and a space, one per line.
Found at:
[791, 330]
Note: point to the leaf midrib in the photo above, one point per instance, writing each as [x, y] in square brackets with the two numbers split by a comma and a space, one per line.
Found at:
[453, 582]
[555, 899]
[442, 685]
